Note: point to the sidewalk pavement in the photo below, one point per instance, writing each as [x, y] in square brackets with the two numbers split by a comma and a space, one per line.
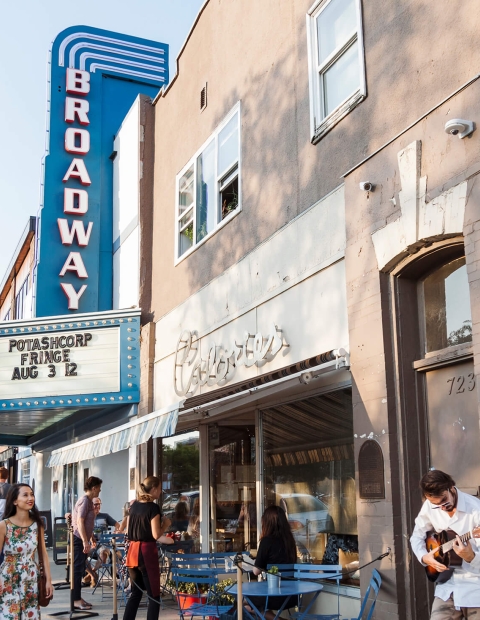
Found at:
[104, 608]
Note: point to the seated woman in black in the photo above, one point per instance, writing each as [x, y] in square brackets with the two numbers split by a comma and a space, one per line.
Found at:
[180, 518]
[277, 546]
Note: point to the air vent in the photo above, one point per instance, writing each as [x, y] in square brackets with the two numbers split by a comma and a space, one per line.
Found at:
[203, 97]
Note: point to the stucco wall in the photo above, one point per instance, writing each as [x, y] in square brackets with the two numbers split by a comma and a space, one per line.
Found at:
[434, 168]
[256, 53]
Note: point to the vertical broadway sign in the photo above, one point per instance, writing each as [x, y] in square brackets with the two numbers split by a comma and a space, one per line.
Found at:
[96, 76]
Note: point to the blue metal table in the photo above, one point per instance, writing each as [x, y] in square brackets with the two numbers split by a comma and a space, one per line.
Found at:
[287, 588]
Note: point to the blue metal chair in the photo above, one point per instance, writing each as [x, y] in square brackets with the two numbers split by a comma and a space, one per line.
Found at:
[204, 581]
[368, 604]
[104, 571]
[313, 572]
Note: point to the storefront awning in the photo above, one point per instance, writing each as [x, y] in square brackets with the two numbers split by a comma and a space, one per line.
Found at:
[161, 423]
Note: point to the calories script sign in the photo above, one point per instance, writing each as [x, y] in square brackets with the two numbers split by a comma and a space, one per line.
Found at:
[73, 362]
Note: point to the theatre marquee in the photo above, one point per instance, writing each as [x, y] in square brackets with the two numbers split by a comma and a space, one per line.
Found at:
[90, 361]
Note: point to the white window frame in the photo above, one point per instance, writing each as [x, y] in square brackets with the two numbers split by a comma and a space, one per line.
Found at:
[320, 124]
[219, 176]
[26, 472]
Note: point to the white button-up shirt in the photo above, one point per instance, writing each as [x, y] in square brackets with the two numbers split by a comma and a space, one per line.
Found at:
[464, 584]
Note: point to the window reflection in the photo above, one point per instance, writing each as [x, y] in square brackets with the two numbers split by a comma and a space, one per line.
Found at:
[233, 524]
[448, 319]
[180, 466]
[309, 470]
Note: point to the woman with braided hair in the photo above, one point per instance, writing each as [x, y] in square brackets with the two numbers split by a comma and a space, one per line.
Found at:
[144, 527]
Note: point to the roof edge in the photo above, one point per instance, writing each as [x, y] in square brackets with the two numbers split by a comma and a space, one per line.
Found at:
[163, 91]
[25, 238]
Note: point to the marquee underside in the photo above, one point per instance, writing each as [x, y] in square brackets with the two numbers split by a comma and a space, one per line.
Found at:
[46, 429]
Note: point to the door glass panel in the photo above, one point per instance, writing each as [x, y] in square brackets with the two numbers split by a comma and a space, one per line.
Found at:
[309, 471]
[448, 319]
[453, 423]
[70, 487]
[233, 509]
[180, 467]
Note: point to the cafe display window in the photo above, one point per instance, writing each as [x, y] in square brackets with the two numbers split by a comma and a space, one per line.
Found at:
[233, 509]
[180, 467]
[309, 471]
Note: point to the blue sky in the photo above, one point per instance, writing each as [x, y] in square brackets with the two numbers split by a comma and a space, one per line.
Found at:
[27, 31]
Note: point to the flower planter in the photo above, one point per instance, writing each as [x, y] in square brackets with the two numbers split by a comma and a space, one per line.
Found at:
[185, 601]
[273, 581]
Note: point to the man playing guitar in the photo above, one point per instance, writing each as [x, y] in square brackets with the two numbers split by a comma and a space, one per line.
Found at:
[448, 508]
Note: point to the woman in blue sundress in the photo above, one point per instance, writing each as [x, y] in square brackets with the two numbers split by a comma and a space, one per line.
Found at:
[21, 531]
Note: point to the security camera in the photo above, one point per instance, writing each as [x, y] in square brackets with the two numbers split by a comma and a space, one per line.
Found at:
[366, 186]
[305, 377]
[459, 127]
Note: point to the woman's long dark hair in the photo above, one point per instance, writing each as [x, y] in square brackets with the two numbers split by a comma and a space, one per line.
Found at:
[275, 524]
[11, 509]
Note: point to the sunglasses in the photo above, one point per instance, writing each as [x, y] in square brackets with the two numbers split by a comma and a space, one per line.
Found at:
[443, 504]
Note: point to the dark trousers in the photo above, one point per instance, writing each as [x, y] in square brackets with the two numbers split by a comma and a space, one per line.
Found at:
[139, 575]
[79, 559]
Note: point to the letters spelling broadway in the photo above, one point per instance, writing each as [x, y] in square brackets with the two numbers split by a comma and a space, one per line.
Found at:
[46, 351]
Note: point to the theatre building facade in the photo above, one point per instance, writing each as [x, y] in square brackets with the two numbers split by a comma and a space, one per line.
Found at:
[299, 213]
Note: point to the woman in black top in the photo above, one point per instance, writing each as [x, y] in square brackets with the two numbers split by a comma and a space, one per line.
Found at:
[144, 527]
[277, 546]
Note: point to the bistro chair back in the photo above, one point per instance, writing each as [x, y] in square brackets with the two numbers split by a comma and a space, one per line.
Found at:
[104, 571]
[313, 572]
[370, 598]
[202, 586]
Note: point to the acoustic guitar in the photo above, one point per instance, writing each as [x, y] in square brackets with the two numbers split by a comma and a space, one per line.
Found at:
[443, 543]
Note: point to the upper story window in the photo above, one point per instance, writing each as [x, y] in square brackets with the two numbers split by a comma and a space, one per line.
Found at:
[208, 188]
[448, 318]
[21, 297]
[336, 64]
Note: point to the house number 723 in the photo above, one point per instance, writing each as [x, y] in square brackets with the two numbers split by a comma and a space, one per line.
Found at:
[458, 384]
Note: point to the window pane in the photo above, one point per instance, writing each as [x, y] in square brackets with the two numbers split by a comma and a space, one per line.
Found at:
[342, 79]
[448, 319]
[228, 145]
[335, 25]
[180, 467]
[233, 518]
[185, 219]
[309, 471]
[185, 241]
[228, 195]
[185, 189]
[206, 191]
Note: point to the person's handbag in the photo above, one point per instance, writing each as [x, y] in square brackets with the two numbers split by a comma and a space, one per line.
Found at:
[43, 599]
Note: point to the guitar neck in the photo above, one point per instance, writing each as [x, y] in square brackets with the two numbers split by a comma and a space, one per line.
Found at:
[448, 546]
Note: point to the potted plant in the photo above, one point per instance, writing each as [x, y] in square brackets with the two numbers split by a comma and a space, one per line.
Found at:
[273, 578]
[224, 598]
[187, 593]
